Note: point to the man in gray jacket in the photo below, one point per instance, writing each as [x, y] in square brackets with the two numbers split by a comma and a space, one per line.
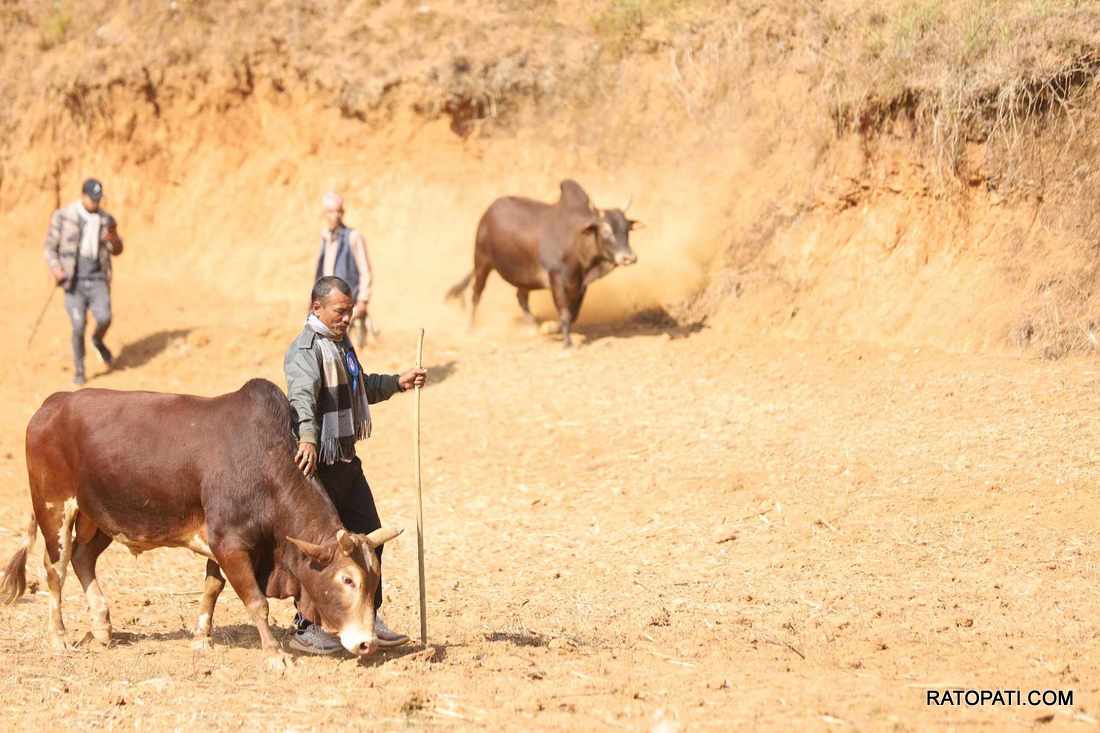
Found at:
[330, 400]
[79, 245]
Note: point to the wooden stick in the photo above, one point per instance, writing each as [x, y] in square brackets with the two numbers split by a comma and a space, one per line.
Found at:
[38, 321]
[420, 504]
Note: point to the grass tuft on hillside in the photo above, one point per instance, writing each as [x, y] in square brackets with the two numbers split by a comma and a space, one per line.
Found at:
[971, 70]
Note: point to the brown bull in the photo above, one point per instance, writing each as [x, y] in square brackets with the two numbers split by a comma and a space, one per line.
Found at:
[213, 475]
[564, 247]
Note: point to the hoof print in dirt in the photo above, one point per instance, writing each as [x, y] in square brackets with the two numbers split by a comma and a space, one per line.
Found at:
[663, 618]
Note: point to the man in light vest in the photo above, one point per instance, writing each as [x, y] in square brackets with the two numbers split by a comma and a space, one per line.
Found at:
[344, 255]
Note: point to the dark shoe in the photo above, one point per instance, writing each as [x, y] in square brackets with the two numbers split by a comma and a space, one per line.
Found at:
[315, 640]
[105, 354]
[78, 379]
[384, 635]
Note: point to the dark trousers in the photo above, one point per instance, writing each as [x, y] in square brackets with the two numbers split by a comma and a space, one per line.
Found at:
[348, 488]
[93, 295]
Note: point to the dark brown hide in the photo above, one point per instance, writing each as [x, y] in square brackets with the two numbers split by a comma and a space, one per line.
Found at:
[563, 246]
[214, 475]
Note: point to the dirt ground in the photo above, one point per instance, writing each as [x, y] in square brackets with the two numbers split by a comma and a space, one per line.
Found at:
[678, 527]
[757, 521]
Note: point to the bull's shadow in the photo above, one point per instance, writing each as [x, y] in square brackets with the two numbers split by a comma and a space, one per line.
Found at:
[141, 352]
[654, 321]
[242, 636]
[129, 638]
[245, 636]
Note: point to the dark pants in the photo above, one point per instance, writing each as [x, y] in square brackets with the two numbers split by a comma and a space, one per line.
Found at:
[348, 488]
[94, 295]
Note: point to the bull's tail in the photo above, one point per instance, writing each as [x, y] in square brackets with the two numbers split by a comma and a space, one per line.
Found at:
[14, 583]
[460, 287]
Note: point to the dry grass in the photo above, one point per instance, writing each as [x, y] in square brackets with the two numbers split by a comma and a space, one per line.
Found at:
[53, 28]
[964, 71]
[621, 24]
[426, 55]
[958, 70]
[959, 74]
[1062, 316]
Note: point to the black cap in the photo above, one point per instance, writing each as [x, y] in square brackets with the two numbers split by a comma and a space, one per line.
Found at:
[93, 189]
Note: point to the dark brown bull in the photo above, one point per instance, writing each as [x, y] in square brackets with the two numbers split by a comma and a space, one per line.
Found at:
[563, 246]
[213, 475]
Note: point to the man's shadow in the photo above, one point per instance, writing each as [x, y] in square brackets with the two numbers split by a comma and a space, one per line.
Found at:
[141, 352]
[440, 372]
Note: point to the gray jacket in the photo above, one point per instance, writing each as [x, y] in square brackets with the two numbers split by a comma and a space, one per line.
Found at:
[63, 243]
[304, 375]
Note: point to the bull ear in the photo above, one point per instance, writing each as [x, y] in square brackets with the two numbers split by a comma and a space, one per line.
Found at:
[379, 537]
[346, 541]
[635, 224]
[320, 553]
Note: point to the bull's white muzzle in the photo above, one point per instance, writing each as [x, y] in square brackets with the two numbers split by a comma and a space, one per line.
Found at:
[359, 640]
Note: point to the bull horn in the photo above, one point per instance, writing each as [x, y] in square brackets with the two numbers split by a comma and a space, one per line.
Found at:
[320, 553]
[346, 541]
[626, 206]
[380, 536]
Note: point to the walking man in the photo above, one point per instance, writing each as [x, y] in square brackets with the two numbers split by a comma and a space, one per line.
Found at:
[79, 245]
[344, 255]
[330, 398]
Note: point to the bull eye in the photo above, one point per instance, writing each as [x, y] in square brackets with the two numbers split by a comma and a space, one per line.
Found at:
[348, 581]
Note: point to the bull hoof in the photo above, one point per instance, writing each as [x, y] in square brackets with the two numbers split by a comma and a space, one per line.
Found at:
[201, 644]
[88, 639]
[102, 636]
[58, 645]
[280, 662]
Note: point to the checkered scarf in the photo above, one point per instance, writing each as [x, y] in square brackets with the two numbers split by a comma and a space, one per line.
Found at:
[342, 399]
